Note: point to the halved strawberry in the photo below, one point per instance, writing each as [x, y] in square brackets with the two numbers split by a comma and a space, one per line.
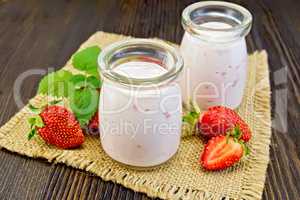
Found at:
[222, 152]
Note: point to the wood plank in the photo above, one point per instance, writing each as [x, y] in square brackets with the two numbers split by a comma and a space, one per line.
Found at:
[43, 34]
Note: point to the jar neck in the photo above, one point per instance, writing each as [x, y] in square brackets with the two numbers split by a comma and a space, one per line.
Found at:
[140, 63]
[215, 21]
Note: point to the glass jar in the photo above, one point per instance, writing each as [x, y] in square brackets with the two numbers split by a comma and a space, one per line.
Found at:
[140, 102]
[215, 53]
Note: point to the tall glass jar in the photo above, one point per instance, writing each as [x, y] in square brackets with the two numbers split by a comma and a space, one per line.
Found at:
[140, 102]
[215, 53]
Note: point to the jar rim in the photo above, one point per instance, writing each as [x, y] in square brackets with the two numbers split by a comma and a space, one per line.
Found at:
[241, 29]
[107, 71]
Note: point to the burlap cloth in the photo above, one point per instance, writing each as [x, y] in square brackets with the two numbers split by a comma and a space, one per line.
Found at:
[181, 177]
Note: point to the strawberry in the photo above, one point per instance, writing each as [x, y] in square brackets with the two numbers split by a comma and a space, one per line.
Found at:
[57, 126]
[219, 120]
[221, 152]
[93, 126]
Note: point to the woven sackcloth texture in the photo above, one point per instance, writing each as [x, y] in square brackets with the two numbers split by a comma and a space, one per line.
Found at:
[181, 177]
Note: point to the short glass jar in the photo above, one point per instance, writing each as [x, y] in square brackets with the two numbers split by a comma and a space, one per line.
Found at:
[215, 53]
[140, 102]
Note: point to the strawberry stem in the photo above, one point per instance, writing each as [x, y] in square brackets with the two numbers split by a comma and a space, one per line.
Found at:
[54, 102]
[34, 109]
[236, 133]
[35, 122]
[246, 149]
[193, 113]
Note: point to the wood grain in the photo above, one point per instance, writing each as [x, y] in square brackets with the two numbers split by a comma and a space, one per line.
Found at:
[42, 34]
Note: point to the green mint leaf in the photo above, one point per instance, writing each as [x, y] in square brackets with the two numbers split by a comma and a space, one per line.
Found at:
[81, 99]
[78, 81]
[93, 72]
[84, 103]
[87, 59]
[84, 119]
[56, 84]
[31, 134]
[93, 82]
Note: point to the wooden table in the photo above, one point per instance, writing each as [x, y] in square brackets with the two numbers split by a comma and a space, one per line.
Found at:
[41, 34]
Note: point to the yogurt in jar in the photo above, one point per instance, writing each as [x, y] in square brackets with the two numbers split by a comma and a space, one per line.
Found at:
[216, 74]
[140, 124]
[142, 127]
[215, 53]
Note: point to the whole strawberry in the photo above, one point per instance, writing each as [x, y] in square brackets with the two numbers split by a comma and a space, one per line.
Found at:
[222, 152]
[220, 120]
[57, 126]
[93, 126]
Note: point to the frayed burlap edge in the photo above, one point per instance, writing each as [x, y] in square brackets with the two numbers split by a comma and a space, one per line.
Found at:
[253, 181]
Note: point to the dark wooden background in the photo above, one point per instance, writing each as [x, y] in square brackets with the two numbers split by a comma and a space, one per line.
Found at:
[41, 34]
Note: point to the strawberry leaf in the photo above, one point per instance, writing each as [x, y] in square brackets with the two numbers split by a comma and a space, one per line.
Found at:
[31, 134]
[237, 132]
[31, 121]
[36, 121]
[39, 122]
[245, 148]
